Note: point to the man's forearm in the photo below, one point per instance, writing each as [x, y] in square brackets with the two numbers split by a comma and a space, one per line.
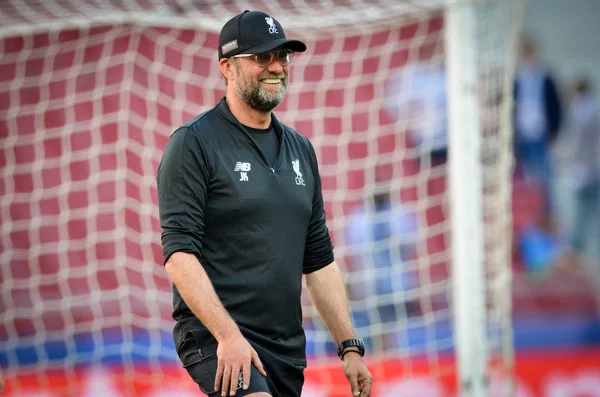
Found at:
[329, 296]
[199, 294]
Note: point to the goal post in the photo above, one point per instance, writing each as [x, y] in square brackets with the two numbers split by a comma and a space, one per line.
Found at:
[466, 193]
[89, 94]
[480, 166]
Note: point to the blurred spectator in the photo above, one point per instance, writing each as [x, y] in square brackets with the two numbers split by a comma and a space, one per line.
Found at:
[583, 128]
[541, 246]
[381, 237]
[538, 117]
[418, 97]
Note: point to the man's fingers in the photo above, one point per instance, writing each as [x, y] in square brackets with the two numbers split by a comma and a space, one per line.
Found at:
[226, 380]
[365, 385]
[246, 375]
[218, 376]
[257, 363]
[366, 389]
[235, 377]
[353, 379]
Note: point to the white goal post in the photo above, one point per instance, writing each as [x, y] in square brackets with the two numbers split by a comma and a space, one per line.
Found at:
[466, 200]
[90, 91]
[473, 190]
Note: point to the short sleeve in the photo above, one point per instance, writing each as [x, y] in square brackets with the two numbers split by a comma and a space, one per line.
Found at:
[318, 251]
[182, 181]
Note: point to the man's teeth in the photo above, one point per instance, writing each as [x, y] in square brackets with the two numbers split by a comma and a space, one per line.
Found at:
[271, 81]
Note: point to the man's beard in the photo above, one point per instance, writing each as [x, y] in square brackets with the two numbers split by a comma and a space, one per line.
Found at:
[256, 96]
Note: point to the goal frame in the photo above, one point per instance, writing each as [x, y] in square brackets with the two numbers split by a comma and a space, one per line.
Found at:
[465, 192]
[466, 199]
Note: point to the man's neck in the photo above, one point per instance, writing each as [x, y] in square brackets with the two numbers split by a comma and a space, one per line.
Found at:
[247, 115]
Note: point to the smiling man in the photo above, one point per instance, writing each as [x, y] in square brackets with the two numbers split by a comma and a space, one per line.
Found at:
[242, 214]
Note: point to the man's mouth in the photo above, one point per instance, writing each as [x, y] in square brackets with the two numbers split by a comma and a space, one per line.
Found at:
[271, 81]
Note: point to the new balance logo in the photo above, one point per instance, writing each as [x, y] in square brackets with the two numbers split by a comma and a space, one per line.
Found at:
[239, 166]
[243, 169]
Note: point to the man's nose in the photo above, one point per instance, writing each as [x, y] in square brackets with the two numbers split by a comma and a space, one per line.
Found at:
[275, 66]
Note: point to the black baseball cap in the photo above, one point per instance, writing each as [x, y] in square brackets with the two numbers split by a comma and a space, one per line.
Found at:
[254, 32]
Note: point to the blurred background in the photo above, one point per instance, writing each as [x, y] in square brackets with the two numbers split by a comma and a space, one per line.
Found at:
[90, 92]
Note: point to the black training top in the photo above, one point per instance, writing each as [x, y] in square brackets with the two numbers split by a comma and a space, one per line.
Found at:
[254, 228]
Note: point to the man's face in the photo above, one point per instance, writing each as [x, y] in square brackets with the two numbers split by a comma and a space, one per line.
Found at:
[262, 88]
[528, 51]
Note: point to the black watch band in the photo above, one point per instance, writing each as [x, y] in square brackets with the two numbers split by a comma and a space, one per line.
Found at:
[355, 342]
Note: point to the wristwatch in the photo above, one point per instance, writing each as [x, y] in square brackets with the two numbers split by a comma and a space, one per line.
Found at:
[355, 342]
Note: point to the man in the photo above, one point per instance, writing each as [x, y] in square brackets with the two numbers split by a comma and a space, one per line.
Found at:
[538, 118]
[242, 216]
[583, 131]
[382, 245]
[419, 89]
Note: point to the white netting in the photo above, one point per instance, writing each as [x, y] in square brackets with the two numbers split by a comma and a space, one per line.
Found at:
[91, 90]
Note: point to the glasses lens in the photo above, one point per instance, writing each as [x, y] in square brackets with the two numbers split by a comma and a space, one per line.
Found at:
[264, 59]
[285, 57]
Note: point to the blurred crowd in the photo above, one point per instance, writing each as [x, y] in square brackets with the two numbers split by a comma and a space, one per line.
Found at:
[557, 179]
[556, 201]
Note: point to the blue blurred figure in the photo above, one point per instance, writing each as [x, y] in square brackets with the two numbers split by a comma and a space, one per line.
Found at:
[538, 117]
[541, 246]
[584, 129]
[382, 237]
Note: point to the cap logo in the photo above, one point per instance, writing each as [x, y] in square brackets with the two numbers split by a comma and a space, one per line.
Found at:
[272, 27]
[230, 46]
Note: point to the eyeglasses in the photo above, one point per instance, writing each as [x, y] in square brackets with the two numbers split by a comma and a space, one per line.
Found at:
[284, 57]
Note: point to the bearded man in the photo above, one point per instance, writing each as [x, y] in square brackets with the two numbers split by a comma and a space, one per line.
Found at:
[243, 222]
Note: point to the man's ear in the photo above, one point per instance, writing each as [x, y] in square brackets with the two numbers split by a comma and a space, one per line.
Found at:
[227, 70]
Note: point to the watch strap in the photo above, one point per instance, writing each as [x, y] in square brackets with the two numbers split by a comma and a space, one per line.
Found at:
[354, 342]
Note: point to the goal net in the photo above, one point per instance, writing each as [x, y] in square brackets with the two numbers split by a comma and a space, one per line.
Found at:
[90, 92]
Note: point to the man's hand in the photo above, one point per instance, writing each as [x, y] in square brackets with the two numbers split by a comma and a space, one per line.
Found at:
[234, 354]
[357, 374]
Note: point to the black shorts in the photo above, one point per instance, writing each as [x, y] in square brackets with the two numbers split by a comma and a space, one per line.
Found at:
[198, 353]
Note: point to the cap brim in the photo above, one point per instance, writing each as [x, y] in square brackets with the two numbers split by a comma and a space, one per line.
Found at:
[270, 45]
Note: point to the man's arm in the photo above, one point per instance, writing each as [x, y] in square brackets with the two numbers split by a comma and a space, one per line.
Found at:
[234, 352]
[329, 296]
[326, 288]
[199, 294]
[553, 108]
[182, 180]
